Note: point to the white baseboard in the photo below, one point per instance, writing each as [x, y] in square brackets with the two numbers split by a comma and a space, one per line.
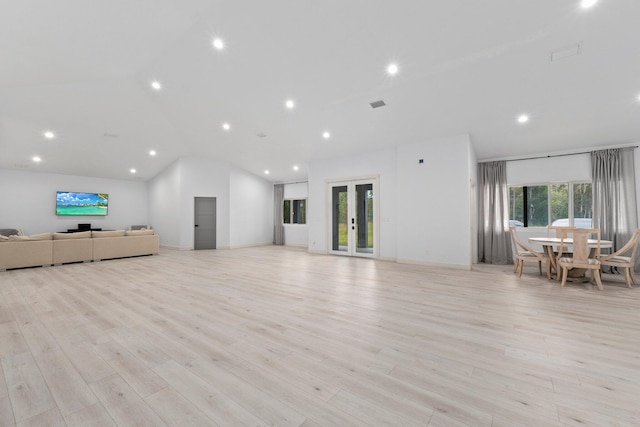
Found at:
[434, 264]
[297, 246]
[317, 252]
[251, 245]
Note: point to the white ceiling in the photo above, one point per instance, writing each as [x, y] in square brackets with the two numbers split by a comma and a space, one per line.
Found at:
[82, 68]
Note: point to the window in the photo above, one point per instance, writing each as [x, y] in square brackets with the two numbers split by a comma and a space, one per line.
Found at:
[551, 204]
[294, 211]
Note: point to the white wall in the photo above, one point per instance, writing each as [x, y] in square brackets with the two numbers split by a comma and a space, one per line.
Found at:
[201, 177]
[296, 234]
[244, 203]
[425, 209]
[473, 197]
[434, 205]
[251, 210]
[378, 163]
[164, 206]
[29, 201]
[636, 162]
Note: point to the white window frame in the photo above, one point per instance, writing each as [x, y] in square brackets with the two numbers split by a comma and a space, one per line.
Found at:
[306, 211]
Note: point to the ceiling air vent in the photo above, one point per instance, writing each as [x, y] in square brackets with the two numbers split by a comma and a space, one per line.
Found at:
[565, 52]
[377, 104]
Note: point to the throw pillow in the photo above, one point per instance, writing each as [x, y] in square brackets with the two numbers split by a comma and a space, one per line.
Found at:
[10, 232]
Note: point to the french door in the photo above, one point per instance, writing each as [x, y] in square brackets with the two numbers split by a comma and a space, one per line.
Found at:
[353, 218]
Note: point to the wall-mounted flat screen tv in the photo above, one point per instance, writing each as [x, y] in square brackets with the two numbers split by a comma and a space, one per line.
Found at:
[70, 203]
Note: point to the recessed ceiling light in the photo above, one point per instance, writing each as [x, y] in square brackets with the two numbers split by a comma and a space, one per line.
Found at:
[326, 135]
[49, 135]
[523, 118]
[218, 43]
[36, 159]
[152, 152]
[290, 104]
[226, 126]
[132, 170]
[156, 85]
[266, 172]
[392, 69]
[586, 4]
[295, 168]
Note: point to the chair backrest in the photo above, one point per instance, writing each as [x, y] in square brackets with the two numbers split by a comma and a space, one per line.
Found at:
[514, 240]
[559, 230]
[631, 245]
[519, 244]
[580, 246]
[634, 241]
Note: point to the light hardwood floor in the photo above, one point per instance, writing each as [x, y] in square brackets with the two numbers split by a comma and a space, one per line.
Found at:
[276, 336]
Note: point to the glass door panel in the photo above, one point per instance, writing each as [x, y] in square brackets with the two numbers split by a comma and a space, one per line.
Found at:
[364, 218]
[340, 226]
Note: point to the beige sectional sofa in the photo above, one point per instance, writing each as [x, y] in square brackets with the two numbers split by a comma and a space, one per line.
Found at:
[120, 243]
[58, 248]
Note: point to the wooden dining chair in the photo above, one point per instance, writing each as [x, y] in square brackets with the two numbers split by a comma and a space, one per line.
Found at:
[583, 255]
[626, 263]
[558, 231]
[524, 253]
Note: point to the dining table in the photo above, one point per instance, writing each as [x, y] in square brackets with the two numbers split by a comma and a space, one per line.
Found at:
[549, 243]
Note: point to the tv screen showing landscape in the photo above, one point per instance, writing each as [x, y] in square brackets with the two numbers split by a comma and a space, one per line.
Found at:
[70, 203]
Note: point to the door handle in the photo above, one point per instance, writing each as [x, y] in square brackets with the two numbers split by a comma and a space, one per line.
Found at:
[196, 225]
[353, 220]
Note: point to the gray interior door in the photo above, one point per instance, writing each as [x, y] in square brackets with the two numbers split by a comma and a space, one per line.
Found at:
[205, 223]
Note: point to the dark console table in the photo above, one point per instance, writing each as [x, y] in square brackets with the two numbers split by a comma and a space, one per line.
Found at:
[78, 230]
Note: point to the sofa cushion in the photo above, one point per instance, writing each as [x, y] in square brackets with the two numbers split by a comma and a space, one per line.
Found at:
[4, 238]
[66, 236]
[19, 238]
[113, 233]
[10, 232]
[42, 236]
[139, 232]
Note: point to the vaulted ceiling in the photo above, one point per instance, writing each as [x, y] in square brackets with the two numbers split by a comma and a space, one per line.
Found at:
[82, 69]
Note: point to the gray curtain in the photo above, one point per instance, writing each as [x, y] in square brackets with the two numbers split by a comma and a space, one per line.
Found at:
[278, 228]
[614, 194]
[494, 242]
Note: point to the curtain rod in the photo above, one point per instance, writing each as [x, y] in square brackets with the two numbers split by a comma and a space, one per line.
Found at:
[563, 155]
[292, 182]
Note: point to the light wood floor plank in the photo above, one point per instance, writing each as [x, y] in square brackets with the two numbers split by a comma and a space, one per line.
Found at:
[91, 416]
[6, 411]
[123, 404]
[276, 336]
[50, 418]
[175, 410]
[65, 383]
[207, 396]
[27, 388]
